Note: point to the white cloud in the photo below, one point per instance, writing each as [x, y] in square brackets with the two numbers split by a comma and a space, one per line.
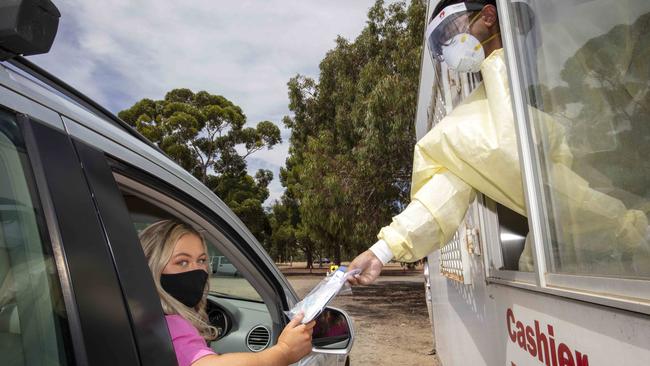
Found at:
[118, 52]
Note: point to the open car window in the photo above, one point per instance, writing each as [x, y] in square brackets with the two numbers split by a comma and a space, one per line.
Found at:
[225, 277]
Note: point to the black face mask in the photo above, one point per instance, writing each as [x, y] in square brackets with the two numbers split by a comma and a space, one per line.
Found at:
[186, 287]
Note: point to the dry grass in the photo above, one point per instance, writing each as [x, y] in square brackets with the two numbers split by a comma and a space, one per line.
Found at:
[390, 318]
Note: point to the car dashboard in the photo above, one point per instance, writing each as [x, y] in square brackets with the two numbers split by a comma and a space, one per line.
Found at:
[244, 325]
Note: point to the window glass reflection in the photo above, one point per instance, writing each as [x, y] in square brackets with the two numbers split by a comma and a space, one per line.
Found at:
[33, 319]
[588, 85]
[331, 327]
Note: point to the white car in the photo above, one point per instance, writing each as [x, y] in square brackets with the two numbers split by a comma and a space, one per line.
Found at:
[221, 266]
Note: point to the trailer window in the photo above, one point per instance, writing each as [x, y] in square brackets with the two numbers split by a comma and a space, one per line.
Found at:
[588, 88]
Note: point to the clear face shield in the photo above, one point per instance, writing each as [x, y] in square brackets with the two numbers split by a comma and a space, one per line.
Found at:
[449, 40]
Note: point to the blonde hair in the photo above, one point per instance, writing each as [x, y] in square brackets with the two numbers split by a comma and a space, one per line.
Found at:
[158, 241]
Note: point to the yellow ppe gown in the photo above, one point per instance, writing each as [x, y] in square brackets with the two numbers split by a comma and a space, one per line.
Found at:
[475, 147]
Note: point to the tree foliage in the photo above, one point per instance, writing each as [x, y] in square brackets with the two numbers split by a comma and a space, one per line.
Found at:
[352, 137]
[203, 132]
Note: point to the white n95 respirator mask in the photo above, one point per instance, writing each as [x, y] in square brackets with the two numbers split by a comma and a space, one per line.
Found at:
[464, 53]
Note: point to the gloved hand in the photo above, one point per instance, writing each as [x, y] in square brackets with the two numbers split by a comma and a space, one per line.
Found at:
[370, 267]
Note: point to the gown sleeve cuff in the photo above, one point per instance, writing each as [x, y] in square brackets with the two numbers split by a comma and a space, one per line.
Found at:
[382, 251]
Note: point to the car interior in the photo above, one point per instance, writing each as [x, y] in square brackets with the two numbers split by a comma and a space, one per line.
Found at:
[239, 303]
[234, 306]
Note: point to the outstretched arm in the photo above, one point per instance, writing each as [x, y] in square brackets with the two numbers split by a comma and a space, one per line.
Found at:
[427, 223]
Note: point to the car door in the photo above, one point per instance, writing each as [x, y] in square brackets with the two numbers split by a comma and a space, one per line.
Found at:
[61, 302]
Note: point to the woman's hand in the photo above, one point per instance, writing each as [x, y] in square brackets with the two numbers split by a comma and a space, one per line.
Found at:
[294, 343]
[295, 340]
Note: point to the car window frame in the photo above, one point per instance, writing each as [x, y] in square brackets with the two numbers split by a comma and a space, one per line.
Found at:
[170, 207]
[240, 252]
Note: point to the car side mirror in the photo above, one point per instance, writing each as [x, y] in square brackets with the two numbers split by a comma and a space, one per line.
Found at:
[333, 333]
[27, 27]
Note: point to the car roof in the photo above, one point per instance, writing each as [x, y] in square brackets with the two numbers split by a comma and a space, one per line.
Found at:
[88, 121]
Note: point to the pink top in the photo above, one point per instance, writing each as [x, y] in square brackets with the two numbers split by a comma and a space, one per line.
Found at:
[189, 346]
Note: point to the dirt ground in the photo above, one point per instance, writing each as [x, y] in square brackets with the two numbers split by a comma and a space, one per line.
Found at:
[390, 317]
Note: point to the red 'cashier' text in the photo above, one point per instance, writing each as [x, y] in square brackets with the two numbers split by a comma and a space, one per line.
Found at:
[541, 344]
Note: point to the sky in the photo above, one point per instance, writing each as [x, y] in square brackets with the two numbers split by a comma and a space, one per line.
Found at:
[120, 51]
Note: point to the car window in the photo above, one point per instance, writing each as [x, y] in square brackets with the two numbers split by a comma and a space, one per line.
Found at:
[225, 278]
[33, 320]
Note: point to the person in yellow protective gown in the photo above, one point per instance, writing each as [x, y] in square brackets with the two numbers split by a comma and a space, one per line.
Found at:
[475, 148]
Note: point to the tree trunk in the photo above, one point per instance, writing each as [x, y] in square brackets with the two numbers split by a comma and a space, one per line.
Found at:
[337, 254]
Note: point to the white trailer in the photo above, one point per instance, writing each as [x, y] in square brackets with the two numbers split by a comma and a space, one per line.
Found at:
[585, 63]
